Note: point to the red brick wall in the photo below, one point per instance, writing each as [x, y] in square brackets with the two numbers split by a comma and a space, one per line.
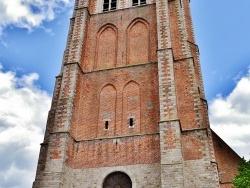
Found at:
[188, 20]
[185, 96]
[135, 32]
[227, 160]
[107, 111]
[138, 42]
[192, 147]
[133, 92]
[176, 36]
[115, 152]
[92, 6]
[106, 52]
[131, 103]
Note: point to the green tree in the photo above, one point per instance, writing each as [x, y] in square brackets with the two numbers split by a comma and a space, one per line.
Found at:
[242, 180]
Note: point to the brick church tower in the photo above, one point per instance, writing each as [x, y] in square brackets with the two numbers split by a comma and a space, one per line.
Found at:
[128, 108]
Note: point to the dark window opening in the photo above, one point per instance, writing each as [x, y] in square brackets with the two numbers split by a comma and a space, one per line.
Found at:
[109, 5]
[113, 5]
[138, 2]
[117, 179]
[106, 124]
[135, 2]
[131, 122]
[106, 5]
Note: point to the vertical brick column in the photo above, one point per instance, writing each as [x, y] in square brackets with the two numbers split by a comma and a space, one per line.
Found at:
[54, 149]
[170, 144]
[191, 101]
[182, 26]
[165, 64]
[171, 155]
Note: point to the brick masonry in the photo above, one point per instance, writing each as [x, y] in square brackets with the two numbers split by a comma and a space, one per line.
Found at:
[130, 98]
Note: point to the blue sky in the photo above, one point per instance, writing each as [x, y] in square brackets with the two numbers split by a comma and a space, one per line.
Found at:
[39, 50]
[33, 38]
[222, 32]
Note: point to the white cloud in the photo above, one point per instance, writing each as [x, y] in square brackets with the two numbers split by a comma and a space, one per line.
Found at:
[23, 114]
[230, 117]
[29, 14]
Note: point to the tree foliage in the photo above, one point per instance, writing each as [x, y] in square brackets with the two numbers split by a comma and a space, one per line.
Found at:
[242, 180]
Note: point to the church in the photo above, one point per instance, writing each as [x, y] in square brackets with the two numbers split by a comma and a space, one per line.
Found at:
[128, 108]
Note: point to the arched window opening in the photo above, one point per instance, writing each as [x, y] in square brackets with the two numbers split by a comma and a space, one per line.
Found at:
[116, 180]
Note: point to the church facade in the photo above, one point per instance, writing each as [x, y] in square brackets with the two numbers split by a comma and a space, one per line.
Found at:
[128, 108]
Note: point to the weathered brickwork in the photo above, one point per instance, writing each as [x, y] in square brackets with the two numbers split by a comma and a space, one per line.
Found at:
[121, 29]
[171, 155]
[142, 176]
[227, 160]
[167, 95]
[187, 95]
[130, 99]
[120, 82]
[132, 150]
[197, 160]
[205, 174]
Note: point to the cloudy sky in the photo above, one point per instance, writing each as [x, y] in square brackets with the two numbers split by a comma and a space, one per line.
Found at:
[32, 39]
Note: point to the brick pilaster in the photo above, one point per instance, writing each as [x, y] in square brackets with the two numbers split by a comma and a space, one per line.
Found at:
[170, 145]
[165, 63]
[171, 155]
[53, 152]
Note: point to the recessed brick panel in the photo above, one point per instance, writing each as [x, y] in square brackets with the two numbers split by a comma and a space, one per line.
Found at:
[131, 105]
[106, 47]
[136, 97]
[136, 37]
[138, 42]
[107, 111]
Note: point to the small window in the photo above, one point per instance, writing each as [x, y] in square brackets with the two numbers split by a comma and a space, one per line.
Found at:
[131, 122]
[135, 2]
[138, 2]
[106, 125]
[109, 5]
